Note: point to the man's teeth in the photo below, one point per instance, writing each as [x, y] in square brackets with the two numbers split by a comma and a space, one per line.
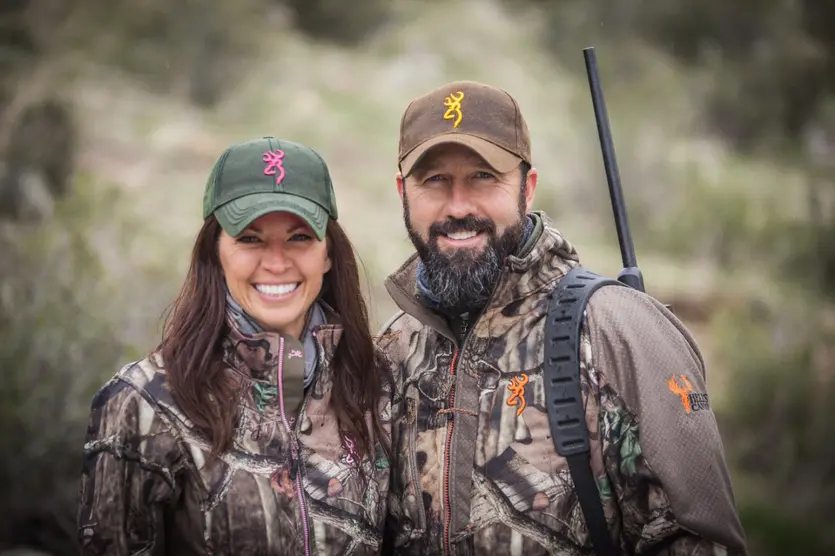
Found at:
[279, 289]
[462, 235]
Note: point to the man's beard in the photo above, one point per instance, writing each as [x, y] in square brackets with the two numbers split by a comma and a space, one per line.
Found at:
[463, 279]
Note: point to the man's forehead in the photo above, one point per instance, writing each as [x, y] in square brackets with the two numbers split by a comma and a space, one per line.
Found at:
[450, 154]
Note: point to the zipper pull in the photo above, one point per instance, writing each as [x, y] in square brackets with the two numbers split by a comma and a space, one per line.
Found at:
[294, 468]
[464, 325]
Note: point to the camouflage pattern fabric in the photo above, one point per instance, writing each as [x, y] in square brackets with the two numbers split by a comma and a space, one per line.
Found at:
[475, 469]
[149, 485]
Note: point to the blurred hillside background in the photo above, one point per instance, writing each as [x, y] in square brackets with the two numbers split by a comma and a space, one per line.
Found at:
[723, 115]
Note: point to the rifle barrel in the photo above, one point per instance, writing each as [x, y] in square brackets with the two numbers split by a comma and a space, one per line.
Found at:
[627, 249]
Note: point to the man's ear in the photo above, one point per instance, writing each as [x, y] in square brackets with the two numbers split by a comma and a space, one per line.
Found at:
[530, 188]
[401, 184]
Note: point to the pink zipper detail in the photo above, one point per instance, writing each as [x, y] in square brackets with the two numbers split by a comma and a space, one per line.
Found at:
[294, 451]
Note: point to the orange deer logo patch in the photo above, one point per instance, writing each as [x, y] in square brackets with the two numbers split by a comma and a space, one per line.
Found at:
[692, 401]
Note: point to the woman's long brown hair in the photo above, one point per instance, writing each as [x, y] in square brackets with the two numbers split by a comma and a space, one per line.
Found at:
[197, 322]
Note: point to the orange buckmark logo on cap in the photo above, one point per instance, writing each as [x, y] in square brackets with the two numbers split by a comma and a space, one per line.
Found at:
[453, 107]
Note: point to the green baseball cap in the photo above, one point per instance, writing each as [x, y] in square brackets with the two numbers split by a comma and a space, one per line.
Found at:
[260, 176]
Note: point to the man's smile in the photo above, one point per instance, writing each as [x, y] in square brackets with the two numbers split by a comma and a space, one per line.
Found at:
[462, 239]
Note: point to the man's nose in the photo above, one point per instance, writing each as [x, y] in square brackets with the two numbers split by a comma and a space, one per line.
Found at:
[460, 204]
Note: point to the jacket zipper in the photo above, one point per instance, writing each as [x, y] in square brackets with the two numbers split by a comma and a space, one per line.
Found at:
[294, 448]
[465, 334]
[447, 498]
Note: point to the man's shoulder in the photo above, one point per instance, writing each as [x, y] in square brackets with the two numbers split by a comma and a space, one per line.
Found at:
[398, 324]
[638, 343]
[609, 304]
[615, 309]
[401, 339]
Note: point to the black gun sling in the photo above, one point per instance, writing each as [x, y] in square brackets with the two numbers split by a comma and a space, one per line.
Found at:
[566, 413]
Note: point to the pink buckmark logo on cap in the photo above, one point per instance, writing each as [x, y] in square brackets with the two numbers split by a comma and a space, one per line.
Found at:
[275, 164]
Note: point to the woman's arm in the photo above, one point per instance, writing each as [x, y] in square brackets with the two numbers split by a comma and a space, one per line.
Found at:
[130, 471]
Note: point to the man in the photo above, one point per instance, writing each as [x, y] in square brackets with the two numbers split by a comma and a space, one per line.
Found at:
[475, 469]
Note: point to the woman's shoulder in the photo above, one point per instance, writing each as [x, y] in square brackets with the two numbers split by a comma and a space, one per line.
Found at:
[139, 379]
[123, 386]
[129, 409]
[137, 393]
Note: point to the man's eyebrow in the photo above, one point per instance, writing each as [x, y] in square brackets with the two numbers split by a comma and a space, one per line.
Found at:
[424, 169]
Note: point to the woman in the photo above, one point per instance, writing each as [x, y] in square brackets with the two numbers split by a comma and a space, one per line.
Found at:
[260, 425]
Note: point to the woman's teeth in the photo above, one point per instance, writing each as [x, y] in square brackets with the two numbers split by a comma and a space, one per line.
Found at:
[276, 289]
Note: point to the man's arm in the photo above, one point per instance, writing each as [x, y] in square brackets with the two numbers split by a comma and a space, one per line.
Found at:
[667, 467]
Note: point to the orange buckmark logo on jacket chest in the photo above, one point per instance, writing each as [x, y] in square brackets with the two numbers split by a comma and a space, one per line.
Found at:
[517, 396]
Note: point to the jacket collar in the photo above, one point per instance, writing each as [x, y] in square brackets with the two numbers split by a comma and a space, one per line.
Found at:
[255, 356]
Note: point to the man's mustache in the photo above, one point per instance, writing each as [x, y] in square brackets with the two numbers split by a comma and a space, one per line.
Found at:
[455, 225]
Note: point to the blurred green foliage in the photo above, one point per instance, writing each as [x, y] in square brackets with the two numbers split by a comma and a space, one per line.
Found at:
[337, 21]
[780, 414]
[54, 334]
[769, 64]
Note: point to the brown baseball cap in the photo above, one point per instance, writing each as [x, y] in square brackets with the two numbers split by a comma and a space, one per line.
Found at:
[478, 116]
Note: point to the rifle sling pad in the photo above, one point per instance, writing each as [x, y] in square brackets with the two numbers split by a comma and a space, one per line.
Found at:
[564, 400]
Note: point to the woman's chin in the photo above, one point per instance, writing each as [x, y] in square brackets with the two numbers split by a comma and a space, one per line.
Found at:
[282, 324]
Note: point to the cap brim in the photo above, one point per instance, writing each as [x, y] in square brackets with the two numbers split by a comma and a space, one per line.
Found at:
[498, 158]
[235, 216]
